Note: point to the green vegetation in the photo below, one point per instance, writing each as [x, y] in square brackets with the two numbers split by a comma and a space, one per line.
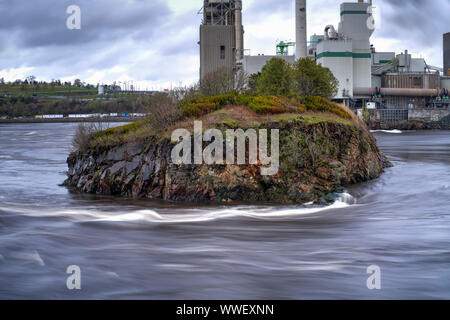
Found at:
[320, 104]
[311, 79]
[303, 78]
[229, 110]
[275, 78]
[31, 106]
[261, 104]
[281, 92]
[28, 98]
[45, 89]
[164, 111]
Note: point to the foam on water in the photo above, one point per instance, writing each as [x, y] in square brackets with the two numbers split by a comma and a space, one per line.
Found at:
[188, 216]
[31, 257]
[395, 131]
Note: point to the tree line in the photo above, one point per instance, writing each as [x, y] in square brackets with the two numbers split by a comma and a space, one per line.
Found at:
[277, 78]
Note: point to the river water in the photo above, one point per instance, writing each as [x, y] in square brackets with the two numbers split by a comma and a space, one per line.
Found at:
[154, 250]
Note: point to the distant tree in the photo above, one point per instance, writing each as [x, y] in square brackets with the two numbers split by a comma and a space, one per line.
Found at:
[311, 79]
[30, 79]
[2, 81]
[164, 110]
[190, 93]
[77, 83]
[275, 78]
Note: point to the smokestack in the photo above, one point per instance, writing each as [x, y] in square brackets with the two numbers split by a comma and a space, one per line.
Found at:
[300, 29]
[239, 34]
[447, 54]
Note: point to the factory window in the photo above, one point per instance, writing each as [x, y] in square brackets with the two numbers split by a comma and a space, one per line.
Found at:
[222, 52]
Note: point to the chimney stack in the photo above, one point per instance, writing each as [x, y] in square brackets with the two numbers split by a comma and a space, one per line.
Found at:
[300, 29]
[447, 54]
[239, 34]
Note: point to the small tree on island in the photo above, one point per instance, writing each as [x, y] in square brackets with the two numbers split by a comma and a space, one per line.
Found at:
[303, 78]
[275, 78]
[311, 79]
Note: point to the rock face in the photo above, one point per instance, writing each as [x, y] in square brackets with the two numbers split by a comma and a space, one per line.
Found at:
[316, 160]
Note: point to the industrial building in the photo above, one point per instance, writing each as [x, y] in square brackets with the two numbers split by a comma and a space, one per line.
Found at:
[222, 39]
[365, 75]
[254, 64]
[447, 54]
[221, 36]
[346, 51]
[382, 80]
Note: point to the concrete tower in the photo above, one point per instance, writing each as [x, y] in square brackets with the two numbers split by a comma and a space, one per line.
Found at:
[300, 29]
[239, 30]
[447, 54]
[221, 36]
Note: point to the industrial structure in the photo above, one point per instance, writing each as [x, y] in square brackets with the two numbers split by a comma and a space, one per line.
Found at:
[447, 54]
[386, 81]
[301, 32]
[346, 51]
[222, 39]
[394, 83]
[254, 64]
[221, 36]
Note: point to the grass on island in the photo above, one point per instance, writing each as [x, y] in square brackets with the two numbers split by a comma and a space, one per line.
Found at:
[230, 111]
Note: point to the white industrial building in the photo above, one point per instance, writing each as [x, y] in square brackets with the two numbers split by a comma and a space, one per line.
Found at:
[347, 52]
[385, 79]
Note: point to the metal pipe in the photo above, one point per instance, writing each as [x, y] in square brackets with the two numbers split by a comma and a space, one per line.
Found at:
[330, 32]
[406, 92]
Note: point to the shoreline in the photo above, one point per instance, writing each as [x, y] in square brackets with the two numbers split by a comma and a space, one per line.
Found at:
[72, 120]
[410, 126]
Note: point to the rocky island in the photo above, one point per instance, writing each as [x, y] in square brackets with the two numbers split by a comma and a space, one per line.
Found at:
[323, 147]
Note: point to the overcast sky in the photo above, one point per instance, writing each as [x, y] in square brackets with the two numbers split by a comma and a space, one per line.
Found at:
[155, 41]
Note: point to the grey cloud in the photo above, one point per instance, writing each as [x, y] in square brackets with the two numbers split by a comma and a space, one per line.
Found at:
[113, 33]
[422, 22]
[43, 22]
[151, 43]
